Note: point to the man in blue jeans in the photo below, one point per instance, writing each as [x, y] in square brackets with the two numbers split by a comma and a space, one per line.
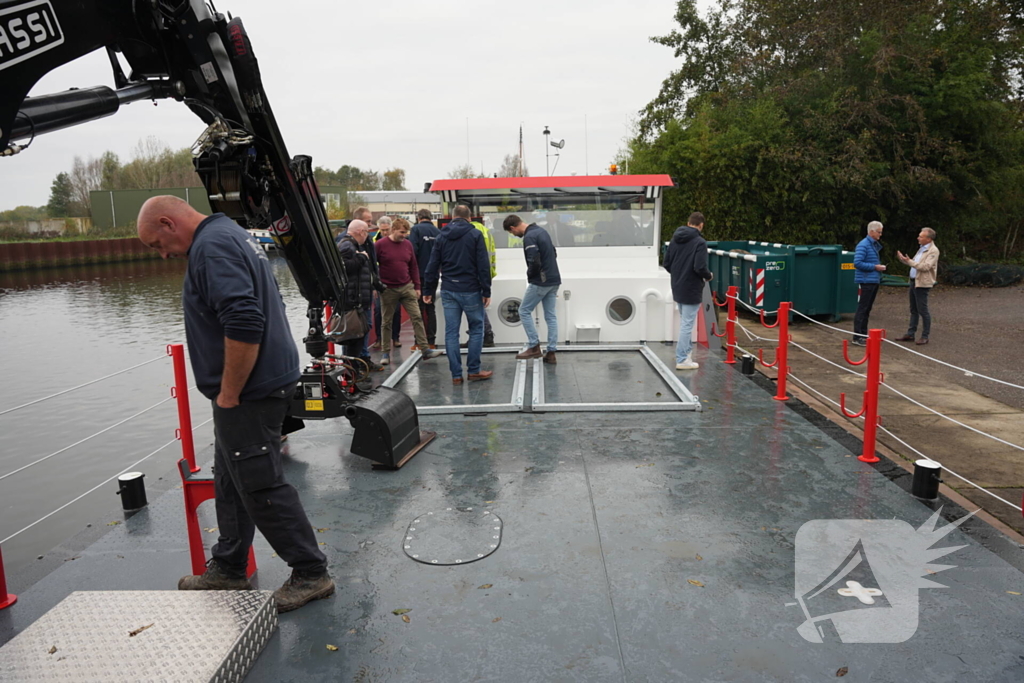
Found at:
[544, 280]
[686, 260]
[460, 259]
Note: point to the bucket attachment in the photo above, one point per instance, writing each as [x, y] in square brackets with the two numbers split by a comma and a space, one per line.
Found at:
[387, 427]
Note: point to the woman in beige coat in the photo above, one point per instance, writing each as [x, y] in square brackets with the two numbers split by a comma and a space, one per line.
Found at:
[923, 269]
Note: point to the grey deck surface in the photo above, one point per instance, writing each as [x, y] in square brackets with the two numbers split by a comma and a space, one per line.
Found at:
[604, 517]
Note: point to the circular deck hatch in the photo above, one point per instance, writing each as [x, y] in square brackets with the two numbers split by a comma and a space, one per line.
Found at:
[455, 535]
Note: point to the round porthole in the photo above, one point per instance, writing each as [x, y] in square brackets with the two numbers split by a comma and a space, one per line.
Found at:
[508, 311]
[620, 310]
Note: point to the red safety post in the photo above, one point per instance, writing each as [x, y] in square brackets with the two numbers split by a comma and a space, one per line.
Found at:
[869, 409]
[180, 391]
[327, 321]
[198, 491]
[730, 324]
[6, 599]
[781, 351]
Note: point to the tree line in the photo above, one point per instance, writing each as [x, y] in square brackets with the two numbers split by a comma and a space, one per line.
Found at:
[800, 121]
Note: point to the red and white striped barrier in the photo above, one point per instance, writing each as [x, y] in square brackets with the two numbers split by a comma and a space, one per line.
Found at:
[755, 289]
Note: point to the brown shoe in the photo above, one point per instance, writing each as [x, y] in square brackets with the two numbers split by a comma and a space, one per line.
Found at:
[922, 341]
[456, 380]
[550, 359]
[532, 352]
[214, 579]
[906, 337]
[301, 588]
[480, 376]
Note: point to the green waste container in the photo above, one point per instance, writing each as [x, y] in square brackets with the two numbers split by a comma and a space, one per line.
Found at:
[816, 279]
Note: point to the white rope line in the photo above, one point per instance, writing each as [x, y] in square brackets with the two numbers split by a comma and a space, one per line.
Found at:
[967, 372]
[809, 387]
[106, 481]
[60, 393]
[750, 308]
[947, 417]
[805, 350]
[970, 373]
[753, 336]
[1015, 507]
[102, 431]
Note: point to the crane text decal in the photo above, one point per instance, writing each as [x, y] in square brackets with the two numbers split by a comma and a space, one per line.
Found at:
[27, 30]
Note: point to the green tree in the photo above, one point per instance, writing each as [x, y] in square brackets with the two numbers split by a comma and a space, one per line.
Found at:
[799, 121]
[60, 197]
[465, 171]
[394, 179]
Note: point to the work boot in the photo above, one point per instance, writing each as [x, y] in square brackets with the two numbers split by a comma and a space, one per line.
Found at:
[428, 354]
[532, 352]
[300, 588]
[215, 578]
[550, 359]
[480, 376]
[488, 341]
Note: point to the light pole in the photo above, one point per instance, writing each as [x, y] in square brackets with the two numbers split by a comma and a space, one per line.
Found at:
[547, 151]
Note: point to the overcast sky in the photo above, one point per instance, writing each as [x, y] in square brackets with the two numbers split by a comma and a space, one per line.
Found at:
[391, 84]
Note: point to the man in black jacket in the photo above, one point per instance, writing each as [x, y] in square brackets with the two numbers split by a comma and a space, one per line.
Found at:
[422, 238]
[544, 280]
[360, 265]
[245, 361]
[687, 262]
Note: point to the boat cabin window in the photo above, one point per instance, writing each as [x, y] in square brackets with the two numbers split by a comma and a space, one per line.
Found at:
[604, 219]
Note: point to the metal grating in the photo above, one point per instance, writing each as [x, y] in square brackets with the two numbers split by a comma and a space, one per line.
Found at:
[201, 636]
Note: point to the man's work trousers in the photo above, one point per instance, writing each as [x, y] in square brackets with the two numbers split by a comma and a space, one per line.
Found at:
[919, 307]
[405, 295]
[396, 327]
[868, 292]
[251, 492]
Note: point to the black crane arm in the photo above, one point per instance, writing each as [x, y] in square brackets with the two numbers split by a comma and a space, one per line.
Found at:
[183, 50]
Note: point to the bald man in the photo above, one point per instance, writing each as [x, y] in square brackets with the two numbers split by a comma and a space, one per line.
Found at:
[245, 361]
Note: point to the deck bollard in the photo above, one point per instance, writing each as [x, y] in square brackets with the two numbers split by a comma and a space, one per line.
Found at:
[747, 364]
[781, 351]
[180, 392]
[869, 409]
[925, 485]
[132, 489]
[731, 295]
[6, 599]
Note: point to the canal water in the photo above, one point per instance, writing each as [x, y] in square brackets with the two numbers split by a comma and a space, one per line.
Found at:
[64, 327]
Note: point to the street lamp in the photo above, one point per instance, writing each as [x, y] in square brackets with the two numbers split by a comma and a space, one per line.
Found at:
[557, 145]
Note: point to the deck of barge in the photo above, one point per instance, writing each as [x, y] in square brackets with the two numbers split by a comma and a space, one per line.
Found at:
[651, 546]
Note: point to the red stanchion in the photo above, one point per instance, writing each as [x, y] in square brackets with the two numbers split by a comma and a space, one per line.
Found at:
[327, 319]
[781, 351]
[198, 491]
[869, 408]
[6, 599]
[730, 324]
[180, 392]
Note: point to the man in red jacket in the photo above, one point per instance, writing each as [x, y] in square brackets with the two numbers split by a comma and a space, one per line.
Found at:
[401, 274]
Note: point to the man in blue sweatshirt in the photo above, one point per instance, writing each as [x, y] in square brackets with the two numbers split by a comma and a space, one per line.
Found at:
[543, 281]
[460, 260]
[868, 277]
[245, 361]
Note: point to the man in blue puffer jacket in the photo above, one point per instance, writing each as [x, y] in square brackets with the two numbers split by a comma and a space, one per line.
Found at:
[868, 277]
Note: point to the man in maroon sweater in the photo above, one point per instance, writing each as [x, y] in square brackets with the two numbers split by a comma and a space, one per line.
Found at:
[401, 274]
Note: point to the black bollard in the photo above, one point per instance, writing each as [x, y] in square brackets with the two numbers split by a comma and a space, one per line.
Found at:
[747, 364]
[926, 480]
[132, 490]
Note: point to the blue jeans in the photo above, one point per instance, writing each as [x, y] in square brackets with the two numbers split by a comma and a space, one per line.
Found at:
[687, 317]
[535, 294]
[455, 304]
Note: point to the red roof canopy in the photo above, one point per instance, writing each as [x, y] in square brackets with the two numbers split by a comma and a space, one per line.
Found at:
[623, 182]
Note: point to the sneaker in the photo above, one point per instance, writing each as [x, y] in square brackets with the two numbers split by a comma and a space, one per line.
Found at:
[365, 385]
[687, 365]
[385, 359]
[489, 342]
[550, 359]
[427, 354]
[480, 376]
[301, 588]
[860, 341]
[532, 352]
[215, 578]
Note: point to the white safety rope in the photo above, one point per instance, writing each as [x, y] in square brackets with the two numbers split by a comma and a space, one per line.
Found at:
[61, 393]
[105, 481]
